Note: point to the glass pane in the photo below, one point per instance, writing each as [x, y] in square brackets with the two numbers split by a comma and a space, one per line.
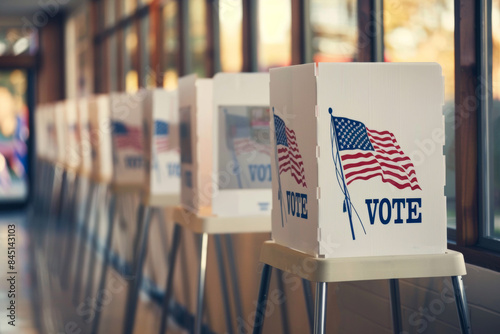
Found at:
[334, 28]
[494, 120]
[129, 72]
[274, 36]
[109, 13]
[417, 31]
[170, 45]
[128, 7]
[230, 27]
[146, 48]
[17, 41]
[197, 36]
[14, 133]
[112, 45]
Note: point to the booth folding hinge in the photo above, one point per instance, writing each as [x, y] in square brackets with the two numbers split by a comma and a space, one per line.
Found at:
[317, 151]
[319, 234]
[318, 192]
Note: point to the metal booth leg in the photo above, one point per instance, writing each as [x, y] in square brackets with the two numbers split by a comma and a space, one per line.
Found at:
[320, 308]
[105, 262]
[69, 249]
[95, 243]
[395, 306]
[265, 278]
[461, 301]
[135, 285]
[284, 309]
[170, 277]
[309, 303]
[198, 321]
[234, 276]
[82, 241]
[223, 282]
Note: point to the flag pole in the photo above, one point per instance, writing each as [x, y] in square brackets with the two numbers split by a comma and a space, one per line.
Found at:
[347, 200]
[280, 194]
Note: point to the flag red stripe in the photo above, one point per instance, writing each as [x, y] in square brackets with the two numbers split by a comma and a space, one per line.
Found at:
[394, 183]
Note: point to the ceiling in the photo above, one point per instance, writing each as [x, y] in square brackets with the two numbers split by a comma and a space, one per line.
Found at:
[30, 7]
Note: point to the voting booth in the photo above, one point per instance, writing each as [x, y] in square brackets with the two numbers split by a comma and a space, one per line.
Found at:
[72, 142]
[242, 151]
[84, 137]
[41, 129]
[195, 133]
[127, 139]
[100, 134]
[60, 129]
[226, 167]
[357, 159]
[161, 149]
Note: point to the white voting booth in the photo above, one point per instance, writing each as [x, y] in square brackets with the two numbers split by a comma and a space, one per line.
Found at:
[60, 127]
[100, 134]
[242, 163]
[353, 177]
[161, 149]
[225, 168]
[127, 140]
[358, 180]
[72, 142]
[83, 124]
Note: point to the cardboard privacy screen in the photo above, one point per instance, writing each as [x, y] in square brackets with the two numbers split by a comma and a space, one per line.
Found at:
[84, 137]
[162, 152]
[357, 160]
[195, 132]
[127, 139]
[100, 134]
[72, 142]
[242, 163]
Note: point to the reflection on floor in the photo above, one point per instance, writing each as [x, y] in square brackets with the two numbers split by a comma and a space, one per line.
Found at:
[25, 294]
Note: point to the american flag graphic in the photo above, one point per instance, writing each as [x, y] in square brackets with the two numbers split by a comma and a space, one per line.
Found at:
[243, 143]
[161, 136]
[367, 153]
[125, 136]
[289, 158]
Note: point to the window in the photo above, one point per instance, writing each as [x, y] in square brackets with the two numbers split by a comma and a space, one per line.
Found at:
[197, 37]
[274, 37]
[494, 121]
[416, 31]
[231, 35]
[170, 44]
[146, 48]
[129, 54]
[334, 30]
[490, 231]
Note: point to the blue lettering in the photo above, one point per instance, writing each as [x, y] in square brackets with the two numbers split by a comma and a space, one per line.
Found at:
[133, 162]
[398, 201]
[174, 169]
[297, 204]
[371, 214]
[412, 210]
[253, 169]
[304, 203]
[383, 220]
[385, 210]
[261, 173]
